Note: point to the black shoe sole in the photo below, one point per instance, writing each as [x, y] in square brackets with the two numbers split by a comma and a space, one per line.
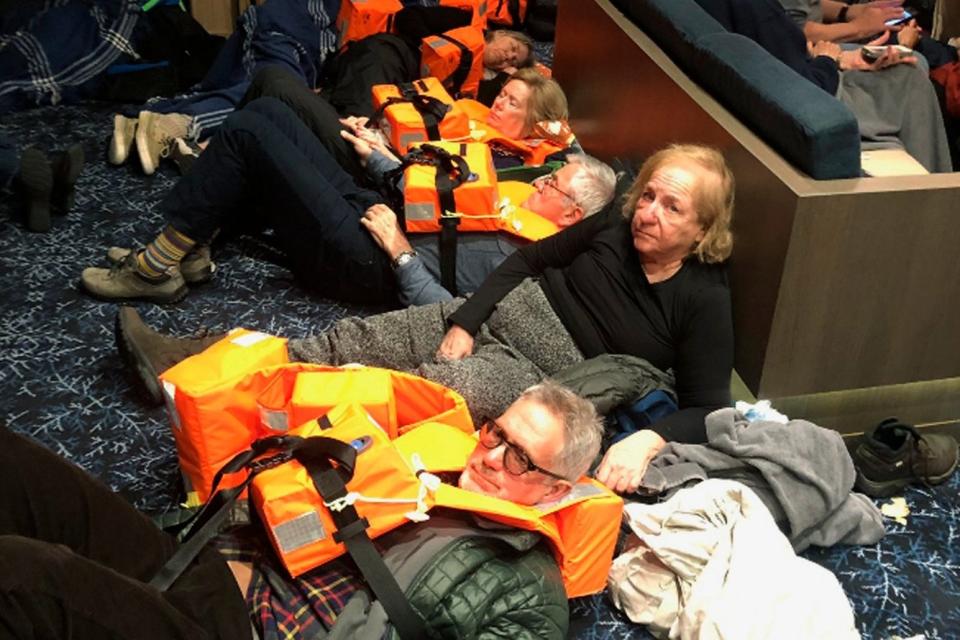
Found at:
[147, 381]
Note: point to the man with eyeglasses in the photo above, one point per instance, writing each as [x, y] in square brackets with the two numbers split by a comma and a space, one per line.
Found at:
[77, 558]
[536, 449]
[577, 190]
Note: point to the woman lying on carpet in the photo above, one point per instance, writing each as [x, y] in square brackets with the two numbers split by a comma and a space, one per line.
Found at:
[647, 283]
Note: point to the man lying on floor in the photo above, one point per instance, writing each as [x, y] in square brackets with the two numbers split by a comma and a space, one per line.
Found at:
[75, 558]
[265, 168]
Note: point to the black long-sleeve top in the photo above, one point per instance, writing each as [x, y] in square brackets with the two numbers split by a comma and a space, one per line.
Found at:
[592, 276]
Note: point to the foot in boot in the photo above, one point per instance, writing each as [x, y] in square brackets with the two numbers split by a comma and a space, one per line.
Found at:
[196, 267]
[124, 281]
[124, 131]
[147, 353]
[66, 165]
[35, 181]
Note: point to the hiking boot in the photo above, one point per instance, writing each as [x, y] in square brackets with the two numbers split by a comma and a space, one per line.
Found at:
[196, 267]
[123, 281]
[124, 131]
[895, 454]
[184, 153]
[148, 353]
[66, 166]
[156, 133]
[35, 180]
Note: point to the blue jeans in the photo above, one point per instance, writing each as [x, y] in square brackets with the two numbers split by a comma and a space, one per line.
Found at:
[267, 168]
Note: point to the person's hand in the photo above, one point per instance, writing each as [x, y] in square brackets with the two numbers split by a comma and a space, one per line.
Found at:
[366, 143]
[624, 464]
[355, 124]
[872, 17]
[909, 35]
[824, 48]
[363, 148]
[456, 345]
[381, 222]
[854, 61]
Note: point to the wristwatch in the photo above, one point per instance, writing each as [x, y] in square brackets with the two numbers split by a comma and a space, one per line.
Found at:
[842, 14]
[403, 258]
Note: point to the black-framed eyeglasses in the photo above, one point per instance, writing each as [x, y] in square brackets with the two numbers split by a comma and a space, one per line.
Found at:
[516, 461]
[551, 180]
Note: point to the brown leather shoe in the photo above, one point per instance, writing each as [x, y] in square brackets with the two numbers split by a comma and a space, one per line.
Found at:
[148, 353]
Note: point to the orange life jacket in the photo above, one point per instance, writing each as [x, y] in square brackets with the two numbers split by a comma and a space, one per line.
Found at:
[478, 9]
[507, 13]
[533, 151]
[419, 111]
[243, 388]
[455, 58]
[358, 19]
[476, 212]
[395, 482]
[450, 179]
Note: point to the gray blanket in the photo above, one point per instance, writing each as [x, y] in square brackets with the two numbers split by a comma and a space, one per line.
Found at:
[897, 109]
[802, 472]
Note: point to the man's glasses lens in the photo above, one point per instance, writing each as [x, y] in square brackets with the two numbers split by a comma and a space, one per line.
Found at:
[515, 460]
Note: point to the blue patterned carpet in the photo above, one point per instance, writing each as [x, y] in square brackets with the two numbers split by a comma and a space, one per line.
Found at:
[61, 381]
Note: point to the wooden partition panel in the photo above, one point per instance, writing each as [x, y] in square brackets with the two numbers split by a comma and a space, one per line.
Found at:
[841, 284]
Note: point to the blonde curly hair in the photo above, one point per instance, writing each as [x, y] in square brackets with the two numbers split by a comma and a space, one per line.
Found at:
[712, 199]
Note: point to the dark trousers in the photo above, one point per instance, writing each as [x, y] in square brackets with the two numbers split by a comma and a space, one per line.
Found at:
[74, 559]
[315, 112]
[265, 166]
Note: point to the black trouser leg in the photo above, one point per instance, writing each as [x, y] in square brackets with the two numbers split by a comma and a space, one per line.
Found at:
[265, 155]
[315, 112]
[74, 558]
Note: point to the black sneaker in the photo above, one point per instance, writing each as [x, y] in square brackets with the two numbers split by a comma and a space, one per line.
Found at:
[895, 454]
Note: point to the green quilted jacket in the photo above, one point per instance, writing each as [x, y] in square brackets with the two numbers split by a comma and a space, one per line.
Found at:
[468, 579]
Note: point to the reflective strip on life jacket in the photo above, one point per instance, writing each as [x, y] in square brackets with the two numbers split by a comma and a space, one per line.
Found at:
[455, 58]
[407, 119]
[358, 19]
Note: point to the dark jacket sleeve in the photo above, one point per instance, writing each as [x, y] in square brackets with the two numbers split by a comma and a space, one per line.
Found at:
[766, 23]
[557, 251]
[703, 365]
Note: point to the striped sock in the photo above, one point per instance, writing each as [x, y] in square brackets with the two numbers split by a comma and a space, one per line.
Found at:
[166, 250]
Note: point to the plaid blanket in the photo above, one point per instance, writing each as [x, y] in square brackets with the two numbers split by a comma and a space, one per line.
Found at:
[282, 608]
[54, 51]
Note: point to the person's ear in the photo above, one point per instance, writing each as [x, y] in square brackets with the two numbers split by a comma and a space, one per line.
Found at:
[557, 490]
[571, 216]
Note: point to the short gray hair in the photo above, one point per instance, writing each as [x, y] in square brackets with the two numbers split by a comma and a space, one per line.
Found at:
[594, 183]
[582, 427]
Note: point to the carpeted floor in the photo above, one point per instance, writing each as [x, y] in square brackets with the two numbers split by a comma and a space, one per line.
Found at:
[61, 381]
